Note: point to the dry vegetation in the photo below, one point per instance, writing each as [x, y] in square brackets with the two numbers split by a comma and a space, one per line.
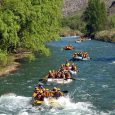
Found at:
[106, 35]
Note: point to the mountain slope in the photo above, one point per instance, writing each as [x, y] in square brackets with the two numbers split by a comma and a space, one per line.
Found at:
[71, 6]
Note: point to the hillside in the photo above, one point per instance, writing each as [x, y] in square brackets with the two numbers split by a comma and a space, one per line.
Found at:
[71, 6]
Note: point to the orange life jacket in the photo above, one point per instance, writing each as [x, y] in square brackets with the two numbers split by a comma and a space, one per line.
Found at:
[46, 94]
[69, 76]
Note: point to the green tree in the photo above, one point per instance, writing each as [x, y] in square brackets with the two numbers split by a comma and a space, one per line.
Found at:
[95, 16]
[74, 22]
[29, 24]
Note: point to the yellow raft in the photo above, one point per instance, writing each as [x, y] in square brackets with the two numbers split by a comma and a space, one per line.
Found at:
[38, 102]
[51, 102]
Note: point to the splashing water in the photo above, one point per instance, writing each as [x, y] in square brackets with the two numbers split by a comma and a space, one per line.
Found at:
[19, 105]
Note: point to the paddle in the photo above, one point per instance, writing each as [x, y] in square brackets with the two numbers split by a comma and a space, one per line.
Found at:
[72, 78]
[41, 80]
[44, 79]
[40, 83]
[65, 91]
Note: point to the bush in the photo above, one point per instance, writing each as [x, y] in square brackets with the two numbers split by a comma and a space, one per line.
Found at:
[106, 35]
[69, 32]
[73, 22]
[30, 57]
[112, 21]
[3, 58]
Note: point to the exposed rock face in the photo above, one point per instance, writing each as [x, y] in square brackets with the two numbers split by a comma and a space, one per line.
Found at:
[71, 6]
[112, 8]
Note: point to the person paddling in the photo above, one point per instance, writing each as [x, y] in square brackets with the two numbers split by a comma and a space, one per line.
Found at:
[36, 91]
[40, 96]
[73, 68]
[46, 93]
[50, 74]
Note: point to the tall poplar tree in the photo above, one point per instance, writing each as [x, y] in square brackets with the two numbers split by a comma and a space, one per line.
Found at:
[95, 16]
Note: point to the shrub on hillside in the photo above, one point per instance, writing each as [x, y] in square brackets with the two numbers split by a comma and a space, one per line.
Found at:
[73, 22]
[106, 35]
[69, 32]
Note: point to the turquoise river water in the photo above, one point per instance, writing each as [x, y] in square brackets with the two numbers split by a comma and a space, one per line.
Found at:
[93, 93]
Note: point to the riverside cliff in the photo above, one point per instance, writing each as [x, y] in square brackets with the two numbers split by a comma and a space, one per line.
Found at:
[71, 6]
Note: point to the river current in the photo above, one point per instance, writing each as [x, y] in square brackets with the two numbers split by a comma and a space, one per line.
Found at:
[93, 93]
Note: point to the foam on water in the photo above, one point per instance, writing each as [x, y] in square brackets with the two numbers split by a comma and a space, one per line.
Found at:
[11, 103]
[105, 86]
[113, 62]
[19, 105]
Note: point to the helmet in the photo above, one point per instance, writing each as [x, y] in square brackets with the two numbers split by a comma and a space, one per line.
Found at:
[36, 88]
[61, 65]
[55, 88]
[41, 91]
[68, 64]
[58, 89]
[50, 71]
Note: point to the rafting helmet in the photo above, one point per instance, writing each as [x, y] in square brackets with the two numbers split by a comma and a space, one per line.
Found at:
[58, 89]
[55, 88]
[36, 88]
[41, 91]
[50, 71]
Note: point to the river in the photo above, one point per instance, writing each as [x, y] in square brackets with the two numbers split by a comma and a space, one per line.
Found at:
[93, 93]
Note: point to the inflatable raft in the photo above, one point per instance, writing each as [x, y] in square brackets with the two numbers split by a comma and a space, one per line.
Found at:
[73, 72]
[53, 102]
[59, 81]
[37, 102]
[81, 58]
[78, 41]
[68, 47]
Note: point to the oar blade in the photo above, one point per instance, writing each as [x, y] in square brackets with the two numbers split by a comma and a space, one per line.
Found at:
[72, 78]
[65, 91]
[40, 80]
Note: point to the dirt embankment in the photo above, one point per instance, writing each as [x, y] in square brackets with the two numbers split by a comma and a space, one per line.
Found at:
[9, 69]
[14, 65]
